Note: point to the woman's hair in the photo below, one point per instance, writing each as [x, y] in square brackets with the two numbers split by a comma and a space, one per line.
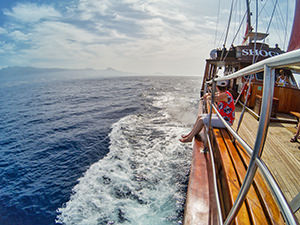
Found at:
[222, 88]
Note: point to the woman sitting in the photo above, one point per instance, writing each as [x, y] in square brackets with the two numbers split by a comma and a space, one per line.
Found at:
[226, 108]
[282, 80]
[294, 139]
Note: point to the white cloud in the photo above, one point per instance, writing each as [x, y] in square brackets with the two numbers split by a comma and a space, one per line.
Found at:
[131, 35]
[18, 35]
[60, 31]
[30, 12]
[89, 9]
[2, 31]
[6, 47]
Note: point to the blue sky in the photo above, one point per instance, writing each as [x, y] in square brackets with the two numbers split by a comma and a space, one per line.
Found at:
[157, 36]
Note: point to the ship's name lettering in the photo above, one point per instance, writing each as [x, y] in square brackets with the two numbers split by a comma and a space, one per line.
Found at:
[264, 53]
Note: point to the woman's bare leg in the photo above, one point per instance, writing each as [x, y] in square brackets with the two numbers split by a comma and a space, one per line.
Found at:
[298, 131]
[196, 129]
[185, 135]
[294, 139]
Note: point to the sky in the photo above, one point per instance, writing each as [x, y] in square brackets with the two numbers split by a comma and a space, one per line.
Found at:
[171, 37]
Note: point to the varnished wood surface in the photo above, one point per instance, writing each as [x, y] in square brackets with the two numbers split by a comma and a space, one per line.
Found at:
[259, 207]
[297, 114]
[266, 197]
[200, 202]
[255, 206]
[233, 183]
[280, 155]
[288, 97]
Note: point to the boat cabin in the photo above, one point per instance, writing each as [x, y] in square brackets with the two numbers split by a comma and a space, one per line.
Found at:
[224, 62]
[229, 181]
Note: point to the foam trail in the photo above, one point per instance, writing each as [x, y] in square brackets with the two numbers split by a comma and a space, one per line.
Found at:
[143, 178]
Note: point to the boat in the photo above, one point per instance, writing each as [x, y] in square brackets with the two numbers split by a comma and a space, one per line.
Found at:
[232, 182]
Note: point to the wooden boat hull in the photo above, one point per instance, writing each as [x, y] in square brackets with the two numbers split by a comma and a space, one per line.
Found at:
[200, 207]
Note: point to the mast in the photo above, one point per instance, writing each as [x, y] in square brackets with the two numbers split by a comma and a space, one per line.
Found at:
[294, 39]
[248, 17]
[248, 28]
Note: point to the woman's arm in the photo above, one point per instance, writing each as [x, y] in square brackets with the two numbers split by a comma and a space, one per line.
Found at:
[219, 96]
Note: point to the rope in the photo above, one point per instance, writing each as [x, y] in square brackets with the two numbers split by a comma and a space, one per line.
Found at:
[273, 12]
[280, 19]
[256, 28]
[236, 34]
[218, 16]
[286, 24]
[229, 21]
[272, 15]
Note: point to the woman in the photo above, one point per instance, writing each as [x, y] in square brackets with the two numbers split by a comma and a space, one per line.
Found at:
[226, 108]
[282, 80]
[294, 139]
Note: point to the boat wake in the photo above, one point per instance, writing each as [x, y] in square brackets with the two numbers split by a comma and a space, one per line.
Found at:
[143, 178]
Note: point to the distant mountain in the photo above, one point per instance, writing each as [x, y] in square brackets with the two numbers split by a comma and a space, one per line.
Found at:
[23, 70]
[76, 73]
[14, 76]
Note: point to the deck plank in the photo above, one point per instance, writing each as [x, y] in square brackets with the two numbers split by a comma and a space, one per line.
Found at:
[281, 156]
[256, 209]
[231, 177]
[266, 196]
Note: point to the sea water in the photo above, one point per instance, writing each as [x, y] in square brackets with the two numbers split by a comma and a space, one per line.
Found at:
[95, 151]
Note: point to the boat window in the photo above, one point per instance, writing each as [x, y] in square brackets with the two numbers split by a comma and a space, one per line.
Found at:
[292, 78]
[296, 75]
[259, 76]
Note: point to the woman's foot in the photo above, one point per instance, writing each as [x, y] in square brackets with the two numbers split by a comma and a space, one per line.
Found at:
[186, 139]
[184, 135]
[293, 139]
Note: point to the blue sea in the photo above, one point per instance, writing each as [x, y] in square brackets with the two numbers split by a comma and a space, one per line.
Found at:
[94, 150]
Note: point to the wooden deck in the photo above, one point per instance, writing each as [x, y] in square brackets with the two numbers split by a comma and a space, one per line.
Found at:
[280, 155]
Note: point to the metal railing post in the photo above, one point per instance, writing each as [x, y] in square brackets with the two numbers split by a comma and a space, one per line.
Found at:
[212, 101]
[220, 217]
[259, 143]
[289, 58]
[244, 106]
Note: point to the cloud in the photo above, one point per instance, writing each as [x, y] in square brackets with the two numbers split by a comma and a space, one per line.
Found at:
[2, 31]
[30, 12]
[18, 35]
[6, 47]
[130, 35]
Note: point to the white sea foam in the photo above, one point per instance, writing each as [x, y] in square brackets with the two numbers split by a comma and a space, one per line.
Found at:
[143, 177]
[178, 107]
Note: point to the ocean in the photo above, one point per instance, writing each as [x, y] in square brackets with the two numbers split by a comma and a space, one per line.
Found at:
[95, 151]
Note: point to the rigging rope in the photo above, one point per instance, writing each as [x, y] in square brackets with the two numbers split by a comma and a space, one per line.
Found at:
[236, 34]
[273, 12]
[251, 76]
[286, 24]
[218, 16]
[256, 29]
[229, 21]
[281, 24]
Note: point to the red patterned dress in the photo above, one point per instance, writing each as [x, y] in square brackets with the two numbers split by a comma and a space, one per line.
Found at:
[227, 109]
